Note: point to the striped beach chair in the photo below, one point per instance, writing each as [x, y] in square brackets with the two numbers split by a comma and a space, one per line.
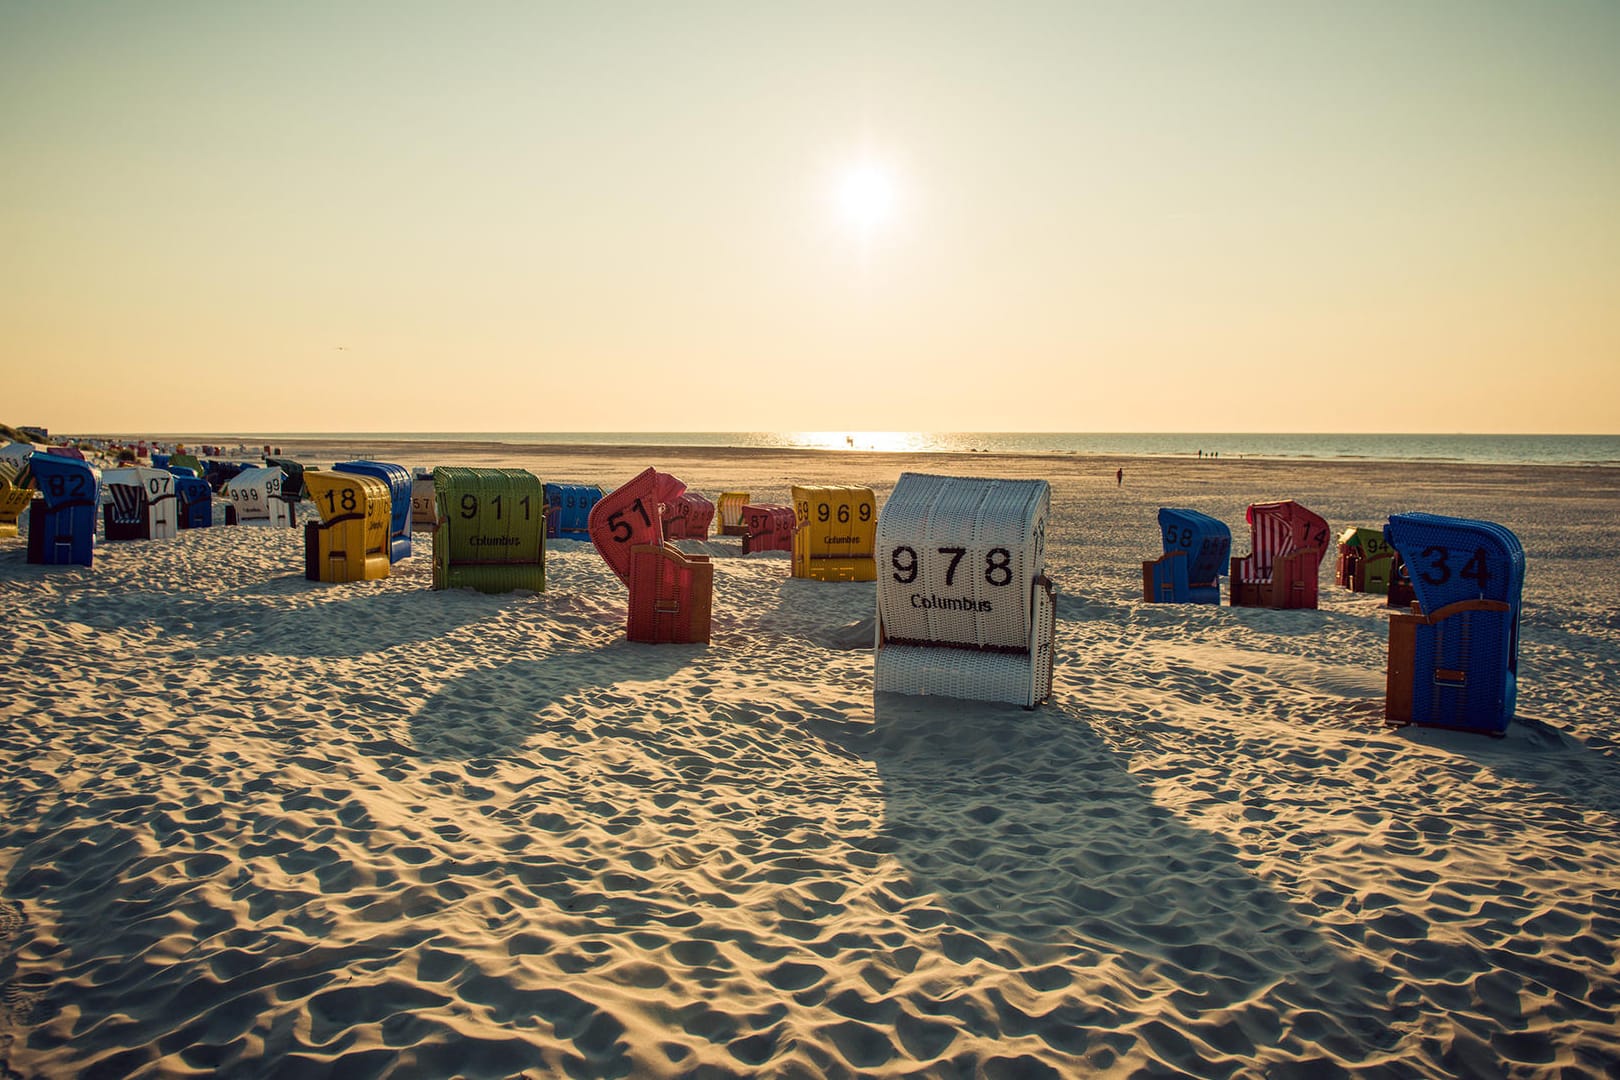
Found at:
[964, 606]
[728, 509]
[141, 504]
[1454, 661]
[1196, 550]
[1288, 545]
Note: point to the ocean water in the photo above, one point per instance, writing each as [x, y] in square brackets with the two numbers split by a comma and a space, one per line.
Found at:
[1510, 449]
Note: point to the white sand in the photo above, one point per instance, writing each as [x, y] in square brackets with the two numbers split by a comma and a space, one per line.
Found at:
[255, 825]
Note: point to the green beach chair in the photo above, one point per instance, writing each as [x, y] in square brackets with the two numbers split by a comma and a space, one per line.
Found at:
[491, 533]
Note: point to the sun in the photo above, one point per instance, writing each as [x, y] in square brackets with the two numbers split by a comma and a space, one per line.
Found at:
[867, 196]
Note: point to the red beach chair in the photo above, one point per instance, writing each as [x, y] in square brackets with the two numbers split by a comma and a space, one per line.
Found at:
[768, 528]
[629, 515]
[671, 595]
[688, 517]
[1289, 543]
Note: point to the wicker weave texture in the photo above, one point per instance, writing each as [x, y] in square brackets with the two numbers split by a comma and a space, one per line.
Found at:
[398, 480]
[144, 497]
[256, 495]
[964, 606]
[630, 515]
[351, 540]
[957, 558]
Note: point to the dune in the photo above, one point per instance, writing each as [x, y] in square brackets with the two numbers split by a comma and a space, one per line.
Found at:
[255, 825]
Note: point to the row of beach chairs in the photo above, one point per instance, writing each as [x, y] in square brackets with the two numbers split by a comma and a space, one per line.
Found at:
[964, 606]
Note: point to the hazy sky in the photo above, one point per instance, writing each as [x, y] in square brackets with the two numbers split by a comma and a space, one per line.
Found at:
[759, 216]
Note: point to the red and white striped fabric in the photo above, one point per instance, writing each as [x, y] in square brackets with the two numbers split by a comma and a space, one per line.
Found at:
[1273, 536]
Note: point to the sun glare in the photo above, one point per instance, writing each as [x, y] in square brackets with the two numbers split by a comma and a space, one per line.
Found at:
[867, 196]
[893, 442]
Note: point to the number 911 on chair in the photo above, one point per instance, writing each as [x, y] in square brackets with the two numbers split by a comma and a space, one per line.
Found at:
[350, 542]
[491, 534]
[836, 534]
[965, 609]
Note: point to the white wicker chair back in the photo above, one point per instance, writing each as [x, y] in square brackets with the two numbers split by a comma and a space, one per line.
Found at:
[964, 605]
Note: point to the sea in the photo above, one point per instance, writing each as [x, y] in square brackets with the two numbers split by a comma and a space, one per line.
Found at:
[1494, 449]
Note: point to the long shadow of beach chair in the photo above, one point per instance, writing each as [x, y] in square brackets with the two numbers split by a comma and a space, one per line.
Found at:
[1454, 661]
[351, 538]
[16, 485]
[491, 534]
[728, 509]
[964, 606]
[1196, 550]
[835, 533]
[62, 517]
[255, 496]
[142, 504]
[1281, 571]
[568, 510]
[671, 593]
[1365, 561]
[688, 517]
[398, 479]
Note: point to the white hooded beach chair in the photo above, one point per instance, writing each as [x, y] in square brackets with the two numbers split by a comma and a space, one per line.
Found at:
[141, 504]
[965, 609]
[256, 497]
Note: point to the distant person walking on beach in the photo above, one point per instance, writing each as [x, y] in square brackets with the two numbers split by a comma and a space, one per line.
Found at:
[1119, 478]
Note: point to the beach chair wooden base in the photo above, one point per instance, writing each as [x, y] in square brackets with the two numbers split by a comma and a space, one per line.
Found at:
[834, 569]
[1447, 688]
[671, 595]
[1292, 583]
[1164, 580]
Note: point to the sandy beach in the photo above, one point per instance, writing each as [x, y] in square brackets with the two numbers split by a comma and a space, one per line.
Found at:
[253, 825]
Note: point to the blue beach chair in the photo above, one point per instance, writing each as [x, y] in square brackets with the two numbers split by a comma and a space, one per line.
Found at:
[398, 479]
[1454, 662]
[1196, 549]
[62, 518]
[568, 510]
[195, 497]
